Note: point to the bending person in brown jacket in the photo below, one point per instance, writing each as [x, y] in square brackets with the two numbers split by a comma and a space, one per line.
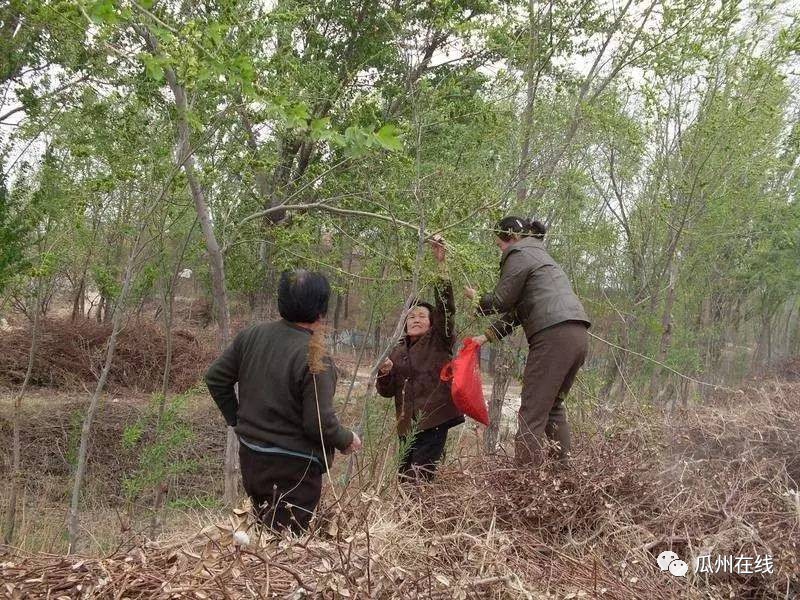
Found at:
[533, 291]
[424, 408]
[283, 414]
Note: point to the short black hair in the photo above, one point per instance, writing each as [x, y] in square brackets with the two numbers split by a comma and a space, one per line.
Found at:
[510, 226]
[303, 296]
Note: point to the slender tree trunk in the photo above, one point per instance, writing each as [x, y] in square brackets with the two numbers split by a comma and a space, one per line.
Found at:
[689, 390]
[140, 308]
[376, 343]
[339, 299]
[504, 360]
[617, 364]
[216, 263]
[786, 346]
[763, 351]
[337, 320]
[769, 342]
[77, 304]
[794, 340]
[704, 327]
[161, 487]
[108, 310]
[666, 330]
[16, 471]
[86, 429]
[782, 330]
[79, 308]
[266, 292]
[532, 81]
[99, 313]
[168, 310]
[347, 287]
[492, 359]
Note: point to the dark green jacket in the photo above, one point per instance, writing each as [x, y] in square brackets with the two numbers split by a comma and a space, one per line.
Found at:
[280, 402]
[533, 291]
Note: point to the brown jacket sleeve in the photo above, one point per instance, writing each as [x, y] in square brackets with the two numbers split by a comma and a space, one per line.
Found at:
[387, 384]
[319, 418]
[508, 291]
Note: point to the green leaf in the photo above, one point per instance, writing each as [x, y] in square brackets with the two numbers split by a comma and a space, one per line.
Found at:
[242, 68]
[216, 33]
[388, 137]
[320, 126]
[153, 67]
[356, 140]
[102, 11]
[298, 115]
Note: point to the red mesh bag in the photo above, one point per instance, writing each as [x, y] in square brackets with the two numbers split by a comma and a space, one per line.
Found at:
[464, 373]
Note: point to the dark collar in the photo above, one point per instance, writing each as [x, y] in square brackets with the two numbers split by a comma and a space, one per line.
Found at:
[526, 242]
[296, 326]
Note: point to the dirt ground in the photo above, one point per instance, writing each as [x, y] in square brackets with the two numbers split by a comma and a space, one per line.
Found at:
[719, 478]
[716, 480]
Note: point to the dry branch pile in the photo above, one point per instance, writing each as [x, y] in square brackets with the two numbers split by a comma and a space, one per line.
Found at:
[715, 480]
[71, 354]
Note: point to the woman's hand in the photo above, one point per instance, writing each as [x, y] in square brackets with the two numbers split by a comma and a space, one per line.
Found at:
[354, 446]
[470, 293]
[437, 246]
[386, 366]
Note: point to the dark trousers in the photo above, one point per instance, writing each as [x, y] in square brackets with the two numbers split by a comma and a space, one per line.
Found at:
[555, 356]
[422, 453]
[284, 490]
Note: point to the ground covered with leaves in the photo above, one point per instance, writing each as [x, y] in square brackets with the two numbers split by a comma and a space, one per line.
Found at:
[718, 480]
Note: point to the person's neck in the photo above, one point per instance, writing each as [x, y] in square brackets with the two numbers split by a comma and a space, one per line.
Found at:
[412, 339]
[315, 326]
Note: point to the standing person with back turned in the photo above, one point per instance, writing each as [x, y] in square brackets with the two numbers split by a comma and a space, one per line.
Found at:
[411, 374]
[533, 291]
[284, 417]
